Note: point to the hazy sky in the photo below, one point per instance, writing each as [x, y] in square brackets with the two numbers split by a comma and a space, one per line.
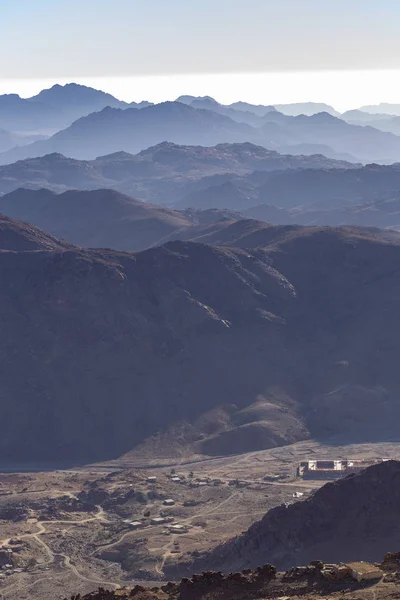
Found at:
[128, 44]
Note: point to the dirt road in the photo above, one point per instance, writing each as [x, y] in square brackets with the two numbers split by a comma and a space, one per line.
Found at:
[41, 525]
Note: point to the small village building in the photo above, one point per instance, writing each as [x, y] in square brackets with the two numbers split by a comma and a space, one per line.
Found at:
[176, 479]
[158, 520]
[161, 520]
[136, 524]
[151, 479]
[277, 477]
[169, 502]
[364, 571]
[178, 529]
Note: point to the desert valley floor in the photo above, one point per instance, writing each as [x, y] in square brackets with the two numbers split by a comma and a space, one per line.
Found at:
[119, 523]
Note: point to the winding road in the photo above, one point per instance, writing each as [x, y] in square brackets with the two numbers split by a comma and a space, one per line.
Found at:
[99, 516]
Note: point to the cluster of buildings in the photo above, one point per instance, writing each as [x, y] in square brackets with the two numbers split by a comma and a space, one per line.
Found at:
[359, 571]
[168, 521]
[333, 469]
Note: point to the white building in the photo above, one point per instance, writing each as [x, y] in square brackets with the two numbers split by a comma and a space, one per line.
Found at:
[363, 571]
[136, 524]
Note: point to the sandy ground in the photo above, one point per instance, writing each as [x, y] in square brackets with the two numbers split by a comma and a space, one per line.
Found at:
[80, 551]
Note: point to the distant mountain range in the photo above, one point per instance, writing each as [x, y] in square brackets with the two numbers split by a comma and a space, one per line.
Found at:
[104, 349]
[55, 108]
[131, 130]
[383, 122]
[382, 108]
[84, 122]
[258, 183]
[299, 108]
[360, 117]
[163, 174]
[240, 111]
[245, 178]
[306, 108]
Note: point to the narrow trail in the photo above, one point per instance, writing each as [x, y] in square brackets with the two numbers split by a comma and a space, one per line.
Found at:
[112, 544]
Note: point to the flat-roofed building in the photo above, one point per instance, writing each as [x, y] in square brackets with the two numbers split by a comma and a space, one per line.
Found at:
[364, 571]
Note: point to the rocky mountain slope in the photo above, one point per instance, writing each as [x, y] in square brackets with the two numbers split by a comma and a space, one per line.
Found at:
[352, 518]
[108, 219]
[317, 580]
[105, 349]
[306, 583]
[17, 236]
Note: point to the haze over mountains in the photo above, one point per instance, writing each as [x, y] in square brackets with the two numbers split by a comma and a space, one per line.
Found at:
[211, 286]
[306, 108]
[132, 130]
[55, 108]
[86, 123]
[9, 139]
[245, 178]
[109, 219]
[164, 173]
[306, 189]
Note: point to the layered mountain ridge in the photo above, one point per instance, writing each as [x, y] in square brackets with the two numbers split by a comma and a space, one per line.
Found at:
[133, 129]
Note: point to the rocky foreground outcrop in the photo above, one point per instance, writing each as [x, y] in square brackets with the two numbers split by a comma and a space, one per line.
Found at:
[312, 581]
